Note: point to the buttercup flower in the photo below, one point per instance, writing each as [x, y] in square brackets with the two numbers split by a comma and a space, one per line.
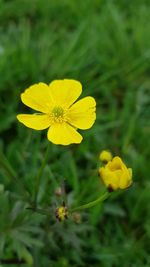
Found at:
[116, 175]
[57, 110]
[105, 156]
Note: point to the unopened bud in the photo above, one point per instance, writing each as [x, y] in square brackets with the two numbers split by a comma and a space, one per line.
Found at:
[105, 156]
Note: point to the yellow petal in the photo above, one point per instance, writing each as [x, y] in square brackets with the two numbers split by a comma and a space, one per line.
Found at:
[115, 164]
[35, 121]
[126, 178]
[63, 134]
[130, 173]
[65, 92]
[109, 178]
[124, 181]
[82, 114]
[38, 97]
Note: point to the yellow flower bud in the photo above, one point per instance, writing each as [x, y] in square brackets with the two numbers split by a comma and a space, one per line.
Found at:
[105, 156]
[62, 213]
[116, 175]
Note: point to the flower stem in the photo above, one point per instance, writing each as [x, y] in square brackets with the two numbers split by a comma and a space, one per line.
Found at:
[39, 175]
[92, 203]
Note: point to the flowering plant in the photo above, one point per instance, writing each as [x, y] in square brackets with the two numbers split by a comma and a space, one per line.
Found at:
[58, 111]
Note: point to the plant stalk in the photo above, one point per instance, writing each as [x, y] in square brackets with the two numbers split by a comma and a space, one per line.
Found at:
[92, 203]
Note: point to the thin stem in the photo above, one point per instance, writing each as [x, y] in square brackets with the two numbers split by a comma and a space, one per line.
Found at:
[39, 175]
[92, 203]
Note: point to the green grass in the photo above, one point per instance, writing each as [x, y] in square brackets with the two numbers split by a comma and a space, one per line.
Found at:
[105, 45]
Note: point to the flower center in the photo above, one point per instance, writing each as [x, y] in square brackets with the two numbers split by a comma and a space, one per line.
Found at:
[58, 114]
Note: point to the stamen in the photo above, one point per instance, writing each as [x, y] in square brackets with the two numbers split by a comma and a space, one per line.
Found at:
[58, 114]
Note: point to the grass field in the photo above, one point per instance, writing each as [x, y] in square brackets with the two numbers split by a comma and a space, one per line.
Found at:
[106, 46]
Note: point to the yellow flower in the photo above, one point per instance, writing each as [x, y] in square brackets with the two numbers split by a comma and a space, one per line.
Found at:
[58, 112]
[116, 175]
[62, 213]
[105, 156]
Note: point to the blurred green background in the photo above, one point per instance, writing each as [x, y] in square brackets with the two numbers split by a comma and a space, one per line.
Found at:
[106, 46]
